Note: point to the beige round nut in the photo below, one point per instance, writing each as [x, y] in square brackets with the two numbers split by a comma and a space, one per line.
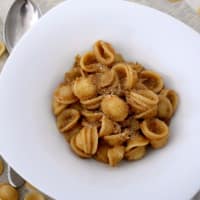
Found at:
[34, 196]
[7, 192]
[114, 107]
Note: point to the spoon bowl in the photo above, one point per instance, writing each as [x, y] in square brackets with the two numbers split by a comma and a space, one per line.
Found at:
[22, 15]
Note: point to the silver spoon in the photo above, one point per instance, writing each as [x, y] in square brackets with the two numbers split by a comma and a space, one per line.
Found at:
[22, 15]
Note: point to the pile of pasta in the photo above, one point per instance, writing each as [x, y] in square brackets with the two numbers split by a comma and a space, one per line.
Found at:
[110, 109]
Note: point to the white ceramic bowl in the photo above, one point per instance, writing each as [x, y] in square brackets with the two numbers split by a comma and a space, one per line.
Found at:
[29, 139]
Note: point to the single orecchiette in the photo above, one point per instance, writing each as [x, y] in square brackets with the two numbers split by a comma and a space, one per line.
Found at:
[87, 140]
[57, 107]
[105, 78]
[102, 153]
[172, 96]
[159, 143]
[117, 139]
[63, 94]
[104, 52]
[78, 151]
[154, 129]
[115, 155]
[92, 103]
[135, 153]
[84, 88]
[92, 116]
[165, 109]
[107, 127]
[89, 62]
[67, 119]
[142, 100]
[136, 141]
[152, 80]
[126, 75]
[114, 107]
[149, 113]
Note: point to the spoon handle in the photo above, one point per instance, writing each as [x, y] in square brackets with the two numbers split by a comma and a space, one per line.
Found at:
[14, 179]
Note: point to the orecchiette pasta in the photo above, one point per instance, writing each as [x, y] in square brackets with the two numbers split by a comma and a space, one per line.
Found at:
[152, 80]
[105, 78]
[110, 109]
[7, 192]
[154, 129]
[149, 113]
[142, 100]
[107, 127]
[156, 144]
[67, 119]
[73, 74]
[172, 96]
[89, 62]
[78, 151]
[114, 88]
[137, 67]
[64, 94]
[102, 153]
[165, 108]
[115, 155]
[104, 52]
[134, 125]
[87, 140]
[126, 74]
[136, 141]
[114, 107]
[58, 107]
[136, 153]
[117, 139]
[91, 116]
[93, 103]
[84, 88]
[77, 106]
[34, 196]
